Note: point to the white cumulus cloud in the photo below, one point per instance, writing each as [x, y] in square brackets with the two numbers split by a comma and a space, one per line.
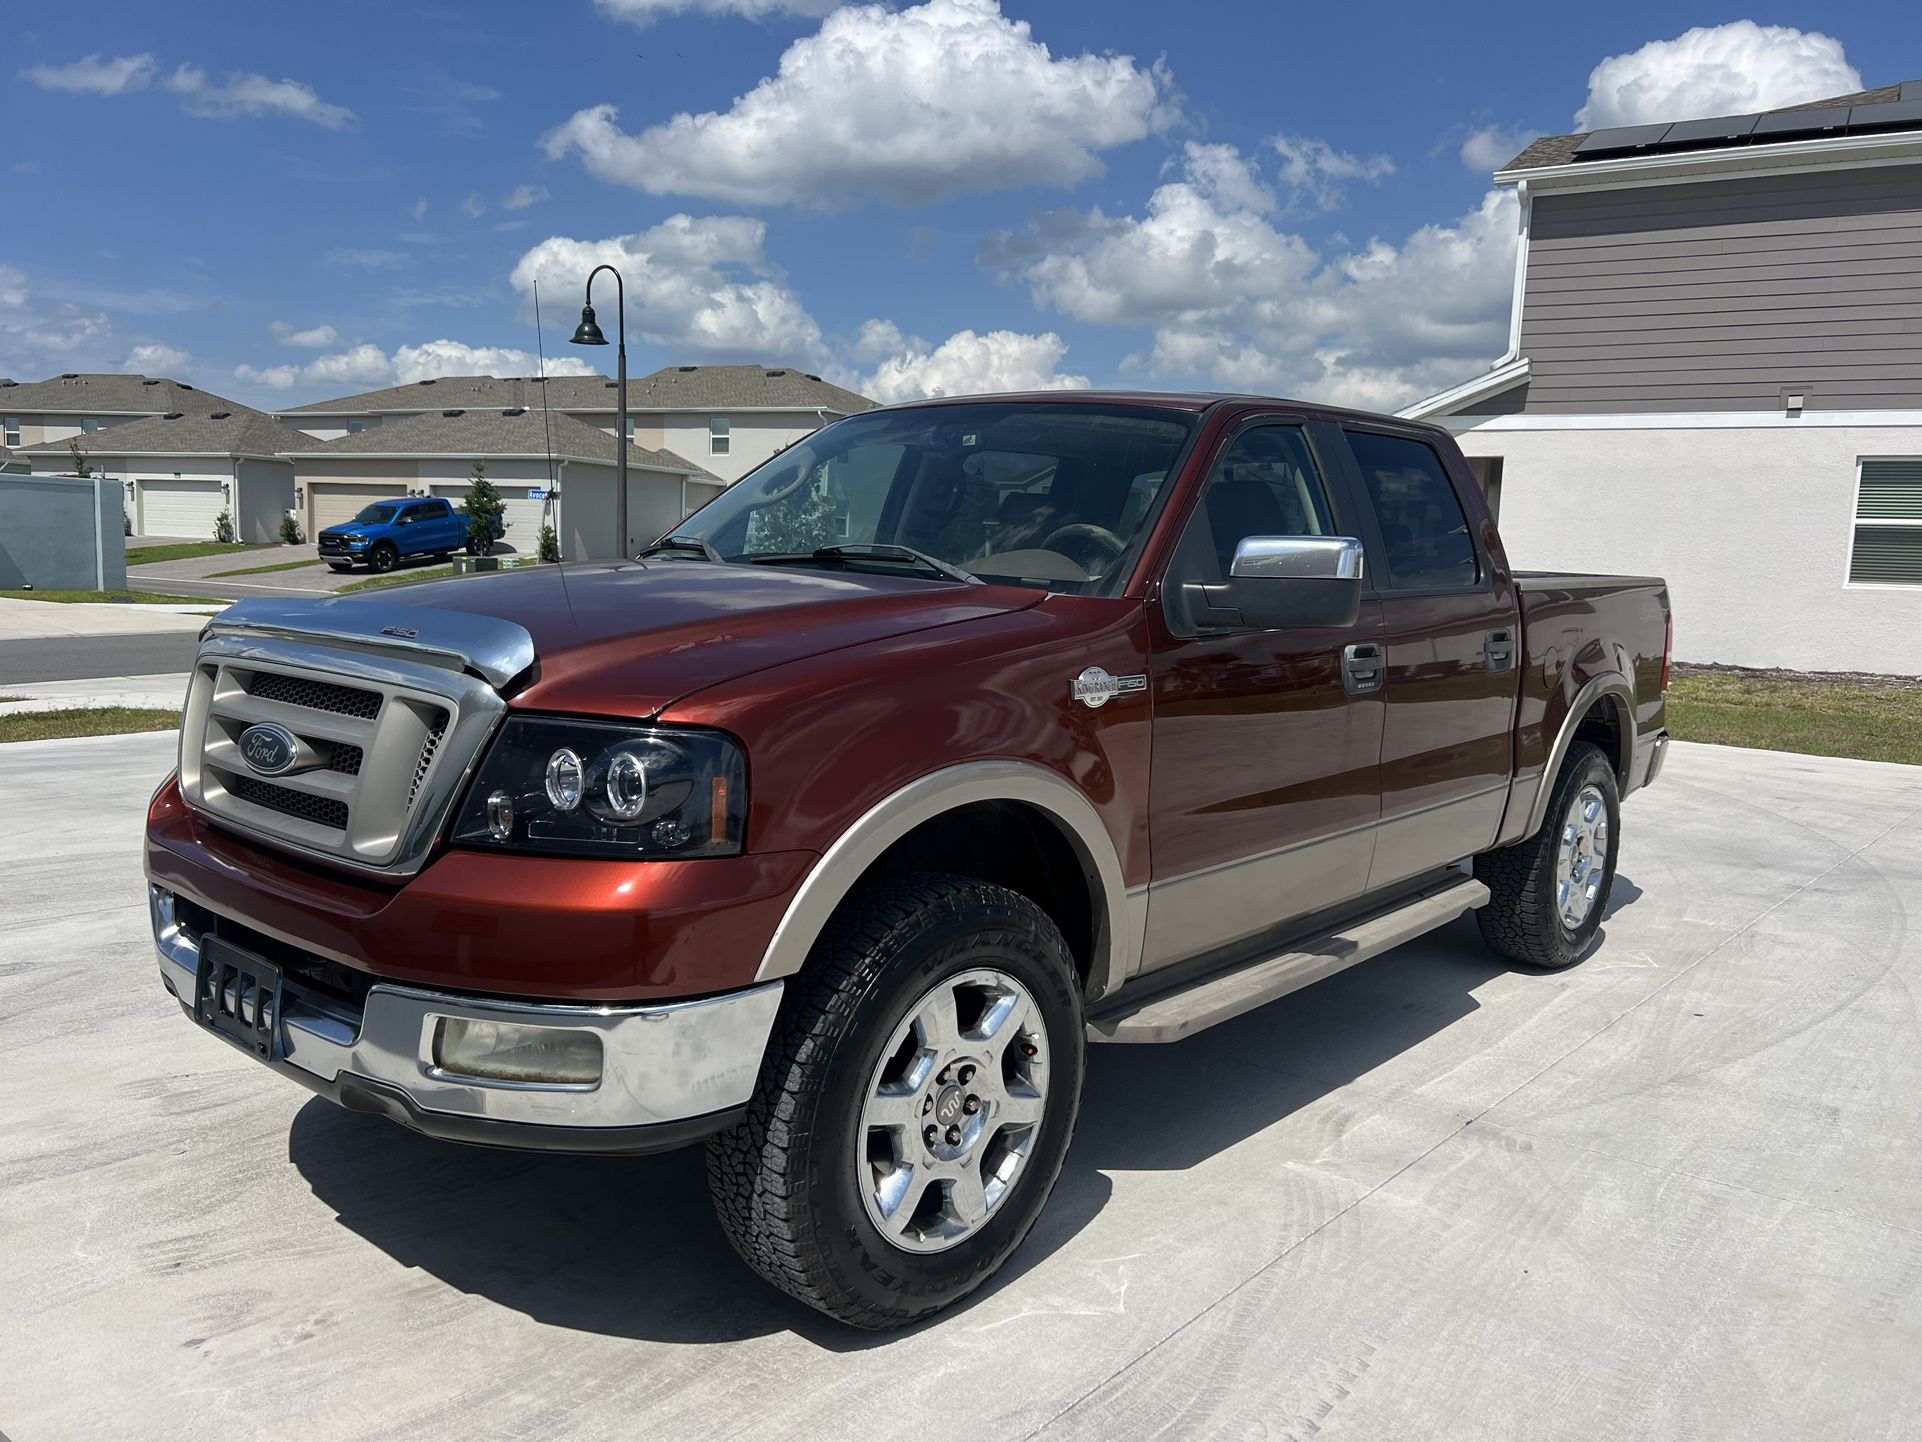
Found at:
[244, 94]
[317, 337]
[1232, 300]
[277, 378]
[32, 330]
[1315, 171]
[157, 359]
[365, 367]
[1716, 70]
[945, 98]
[965, 364]
[645, 12]
[91, 75]
[523, 196]
[697, 286]
[1493, 146]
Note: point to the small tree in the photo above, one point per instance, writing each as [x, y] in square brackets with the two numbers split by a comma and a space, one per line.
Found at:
[289, 531]
[81, 465]
[483, 509]
[796, 525]
[550, 545]
[224, 528]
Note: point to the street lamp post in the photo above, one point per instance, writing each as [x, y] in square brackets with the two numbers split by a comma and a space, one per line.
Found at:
[589, 333]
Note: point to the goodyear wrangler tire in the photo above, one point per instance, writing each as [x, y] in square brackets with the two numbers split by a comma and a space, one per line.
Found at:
[915, 1104]
[1548, 892]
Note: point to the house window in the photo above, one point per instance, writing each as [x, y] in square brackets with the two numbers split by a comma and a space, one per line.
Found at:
[717, 436]
[88, 425]
[630, 430]
[354, 428]
[1887, 549]
[13, 430]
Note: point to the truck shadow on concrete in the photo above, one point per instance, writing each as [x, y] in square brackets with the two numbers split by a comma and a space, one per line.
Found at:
[628, 1247]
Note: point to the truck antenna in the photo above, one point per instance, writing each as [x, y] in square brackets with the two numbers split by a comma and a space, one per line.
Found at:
[547, 428]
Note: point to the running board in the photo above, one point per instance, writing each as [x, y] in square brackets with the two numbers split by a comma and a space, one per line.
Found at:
[1220, 996]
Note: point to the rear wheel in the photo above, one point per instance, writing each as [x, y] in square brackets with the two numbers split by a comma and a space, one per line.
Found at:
[1547, 893]
[915, 1105]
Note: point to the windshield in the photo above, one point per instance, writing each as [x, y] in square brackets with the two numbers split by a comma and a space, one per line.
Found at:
[376, 515]
[1050, 496]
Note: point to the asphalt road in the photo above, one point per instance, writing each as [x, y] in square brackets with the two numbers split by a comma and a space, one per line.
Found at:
[74, 658]
[1673, 1192]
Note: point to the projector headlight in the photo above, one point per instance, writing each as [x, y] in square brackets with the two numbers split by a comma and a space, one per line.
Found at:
[597, 788]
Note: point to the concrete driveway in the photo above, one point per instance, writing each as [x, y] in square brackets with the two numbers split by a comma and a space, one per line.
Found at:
[1676, 1191]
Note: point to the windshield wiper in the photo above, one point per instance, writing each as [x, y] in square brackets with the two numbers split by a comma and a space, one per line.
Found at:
[882, 550]
[697, 544]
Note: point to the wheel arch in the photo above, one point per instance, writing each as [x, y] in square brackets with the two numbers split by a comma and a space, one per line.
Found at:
[1603, 712]
[1016, 793]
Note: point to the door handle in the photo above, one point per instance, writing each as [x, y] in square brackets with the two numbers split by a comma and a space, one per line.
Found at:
[1498, 649]
[1364, 668]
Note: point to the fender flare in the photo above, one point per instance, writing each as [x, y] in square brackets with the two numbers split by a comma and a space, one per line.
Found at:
[1610, 688]
[1117, 916]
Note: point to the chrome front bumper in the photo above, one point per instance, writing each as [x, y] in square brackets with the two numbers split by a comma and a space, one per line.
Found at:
[670, 1072]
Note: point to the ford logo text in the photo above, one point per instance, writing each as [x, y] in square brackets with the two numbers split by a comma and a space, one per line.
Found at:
[268, 749]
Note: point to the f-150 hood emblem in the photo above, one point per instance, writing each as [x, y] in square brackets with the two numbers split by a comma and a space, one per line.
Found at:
[1096, 687]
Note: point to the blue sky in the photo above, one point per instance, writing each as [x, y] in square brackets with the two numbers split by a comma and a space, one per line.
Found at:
[283, 204]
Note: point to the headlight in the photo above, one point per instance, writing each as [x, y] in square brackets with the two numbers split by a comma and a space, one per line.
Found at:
[597, 788]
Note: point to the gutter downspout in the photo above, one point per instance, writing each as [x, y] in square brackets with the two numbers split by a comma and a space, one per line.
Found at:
[1514, 351]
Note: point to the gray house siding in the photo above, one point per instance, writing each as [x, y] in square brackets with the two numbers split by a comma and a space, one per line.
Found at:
[1725, 295]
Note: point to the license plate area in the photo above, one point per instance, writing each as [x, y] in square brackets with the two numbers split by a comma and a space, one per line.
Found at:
[237, 995]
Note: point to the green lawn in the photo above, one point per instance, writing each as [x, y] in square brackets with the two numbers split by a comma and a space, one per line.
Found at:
[5, 699]
[144, 598]
[398, 578]
[86, 721]
[1818, 717]
[263, 570]
[187, 550]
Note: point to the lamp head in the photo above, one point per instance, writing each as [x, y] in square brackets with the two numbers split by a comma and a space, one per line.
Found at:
[588, 332]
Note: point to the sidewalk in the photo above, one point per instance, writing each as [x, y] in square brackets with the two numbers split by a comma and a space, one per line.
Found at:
[163, 692]
[34, 620]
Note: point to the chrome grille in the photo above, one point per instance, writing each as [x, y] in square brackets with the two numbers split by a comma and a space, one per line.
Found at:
[314, 695]
[381, 745]
[320, 809]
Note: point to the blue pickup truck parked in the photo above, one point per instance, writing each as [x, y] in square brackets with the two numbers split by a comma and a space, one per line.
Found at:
[386, 532]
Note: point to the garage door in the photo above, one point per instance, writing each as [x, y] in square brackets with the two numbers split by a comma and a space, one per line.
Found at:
[179, 508]
[524, 518]
[334, 503]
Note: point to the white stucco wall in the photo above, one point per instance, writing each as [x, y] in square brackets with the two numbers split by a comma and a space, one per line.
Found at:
[1752, 527]
[755, 436]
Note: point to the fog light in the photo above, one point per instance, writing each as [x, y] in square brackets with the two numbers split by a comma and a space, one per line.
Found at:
[506, 1051]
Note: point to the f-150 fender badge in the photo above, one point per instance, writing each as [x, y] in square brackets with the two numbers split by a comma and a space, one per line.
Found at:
[1095, 687]
[406, 633]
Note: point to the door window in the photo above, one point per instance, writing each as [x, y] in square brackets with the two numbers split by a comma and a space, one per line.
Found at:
[1424, 530]
[1265, 484]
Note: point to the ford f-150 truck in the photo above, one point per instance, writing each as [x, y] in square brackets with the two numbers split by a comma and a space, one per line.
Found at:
[832, 828]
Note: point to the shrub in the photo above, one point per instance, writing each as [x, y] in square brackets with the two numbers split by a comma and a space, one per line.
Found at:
[550, 545]
[483, 509]
[126, 521]
[289, 531]
[224, 528]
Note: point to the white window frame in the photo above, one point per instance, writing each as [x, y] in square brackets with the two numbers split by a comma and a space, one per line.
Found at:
[11, 431]
[720, 435]
[1856, 521]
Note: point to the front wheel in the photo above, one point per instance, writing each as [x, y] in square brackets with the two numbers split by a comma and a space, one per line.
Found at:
[1547, 893]
[383, 558]
[915, 1104]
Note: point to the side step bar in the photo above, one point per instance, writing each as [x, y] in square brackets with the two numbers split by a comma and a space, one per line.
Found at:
[1161, 1016]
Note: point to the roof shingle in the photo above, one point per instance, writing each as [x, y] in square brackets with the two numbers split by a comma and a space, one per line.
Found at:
[106, 394]
[482, 433]
[697, 388]
[218, 430]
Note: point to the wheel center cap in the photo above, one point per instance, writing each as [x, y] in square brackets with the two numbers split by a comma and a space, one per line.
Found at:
[948, 1106]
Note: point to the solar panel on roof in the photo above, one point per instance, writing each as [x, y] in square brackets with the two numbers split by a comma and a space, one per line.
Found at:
[1889, 113]
[1723, 127]
[1622, 139]
[1779, 123]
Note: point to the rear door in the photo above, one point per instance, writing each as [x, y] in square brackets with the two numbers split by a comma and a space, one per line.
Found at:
[1451, 634]
[1263, 796]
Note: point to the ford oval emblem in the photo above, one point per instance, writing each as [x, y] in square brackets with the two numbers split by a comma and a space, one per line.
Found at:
[269, 749]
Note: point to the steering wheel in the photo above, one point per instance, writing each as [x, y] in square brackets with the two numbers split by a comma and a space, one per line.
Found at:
[1093, 548]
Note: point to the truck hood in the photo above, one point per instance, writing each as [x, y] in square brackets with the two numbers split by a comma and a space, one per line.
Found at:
[627, 639]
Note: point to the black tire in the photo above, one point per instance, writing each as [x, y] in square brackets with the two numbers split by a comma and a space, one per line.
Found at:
[383, 557]
[786, 1181]
[1522, 920]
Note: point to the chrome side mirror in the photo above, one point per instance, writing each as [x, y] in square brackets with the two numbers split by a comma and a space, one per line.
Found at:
[1297, 558]
[1287, 581]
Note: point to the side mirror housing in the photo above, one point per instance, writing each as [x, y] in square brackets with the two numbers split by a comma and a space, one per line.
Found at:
[1283, 581]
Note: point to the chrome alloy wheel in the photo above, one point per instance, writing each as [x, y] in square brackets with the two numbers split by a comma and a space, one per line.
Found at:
[952, 1111]
[1581, 856]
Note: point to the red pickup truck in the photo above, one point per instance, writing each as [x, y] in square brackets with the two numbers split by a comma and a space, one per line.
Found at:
[833, 827]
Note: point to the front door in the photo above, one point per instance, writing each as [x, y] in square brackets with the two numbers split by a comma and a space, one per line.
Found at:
[1451, 634]
[1263, 797]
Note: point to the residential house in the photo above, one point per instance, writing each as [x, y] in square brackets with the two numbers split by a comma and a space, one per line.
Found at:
[727, 418]
[550, 469]
[178, 472]
[35, 413]
[1715, 374]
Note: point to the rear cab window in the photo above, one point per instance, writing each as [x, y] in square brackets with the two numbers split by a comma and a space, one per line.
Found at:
[1425, 534]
